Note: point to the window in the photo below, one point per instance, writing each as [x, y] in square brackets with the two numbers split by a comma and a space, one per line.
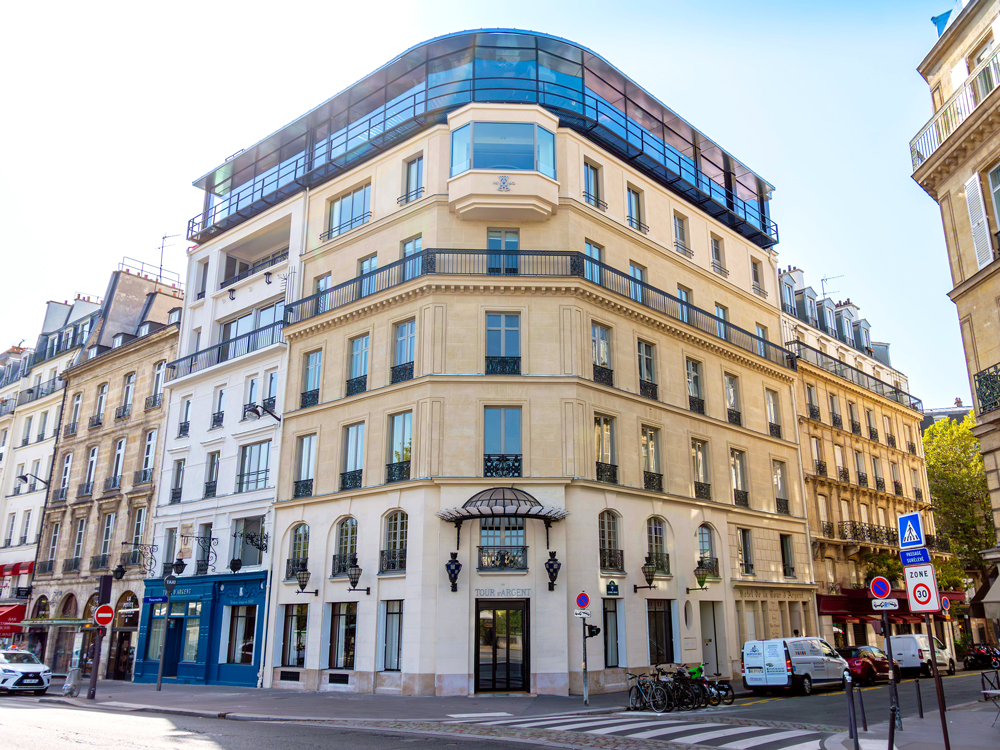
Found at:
[699, 461]
[76, 412]
[178, 477]
[845, 510]
[242, 627]
[779, 478]
[149, 451]
[343, 630]
[647, 362]
[608, 530]
[501, 532]
[600, 341]
[638, 273]
[722, 313]
[745, 551]
[359, 356]
[53, 542]
[694, 379]
[877, 467]
[306, 458]
[108, 533]
[870, 416]
[853, 411]
[501, 438]
[255, 462]
[211, 473]
[245, 531]
[26, 437]
[756, 276]
[354, 446]
[405, 343]
[592, 186]
[655, 541]
[859, 462]
[737, 465]
[660, 629]
[393, 635]
[500, 262]
[635, 213]
[811, 398]
[684, 306]
[92, 464]
[81, 528]
[368, 266]
[773, 408]
[129, 388]
[610, 615]
[788, 295]
[761, 344]
[323, 283]
[313, 373]
[158, 378]
[220, 404]
[400, 436]
[503, 335]
[66, 468]
[787, 556]
[718, 256]
[732, 388]
[293, 650]
[396, 524]
[604, 438]
[119, 460]
[138, 527]
[347, 544]
[834, 406]
[817, 452]
[503, 146]
[680, 230]
[650, 450]
[824, 516]
[102, 397]
[350, 211]
[414, 179]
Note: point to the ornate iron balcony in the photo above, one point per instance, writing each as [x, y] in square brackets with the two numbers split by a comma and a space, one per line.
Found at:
[939, 543]
[648, 389]
[71, 564]
[604, 375]
[594, 201]
[703, 490]
[719, 268]
[40, 438]
[661, 560]
[746, 568]
[918, 494]
[168, 568]
[183, 429]
[99, 562]
[503, 558]
[357, 385]
[683, 249]
[501, 366]
[25, 441]
[84, 489]
[268, 403]
[607, 473]
[774, 430]
[142, 476]
[410, 196]
[392, 561]
[862, 479]
[856, 427]
[24, 540]
[821, 468]
[814, 412]
[350, 480]
[897, 487]
[735, 417]
[613, 560]
[211, 487]
[636, 224]
[17, 489]
[844, 474]
[741, 498]
[397, 472]
[175, 494]
[501, 464]
[342, 563]
[32, 486]
[696, 404]
[200, 295]
[912, 448]
[873, 433]
[60, 494]
[113, 483]
[217, 419]
[154, 401]
[788, 571]
[837, 421]
[123, 411]
[827, 529]
[303, 488]
[711, 564]
[880, 484]
[652, 481]
[293, 565]
[890, 440]
[268, 262]
[96, 421]
[309, 398]
[404, 372]
[782, 506]
[201, 567]
[69, 430]
[44, 567]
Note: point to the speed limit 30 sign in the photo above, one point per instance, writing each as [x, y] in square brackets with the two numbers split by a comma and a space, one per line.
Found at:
[922, 588]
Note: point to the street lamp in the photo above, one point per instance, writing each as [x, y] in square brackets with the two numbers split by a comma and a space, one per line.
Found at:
[255, 411]
[354, 575]
[701, 575]
[552, 566]
[168, 585]
[119, 572]
[302, 576]
[648, 571]
[179, 565]
[453, 566]
[24, 478]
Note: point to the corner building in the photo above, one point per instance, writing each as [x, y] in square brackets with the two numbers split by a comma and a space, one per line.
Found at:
[530, 345]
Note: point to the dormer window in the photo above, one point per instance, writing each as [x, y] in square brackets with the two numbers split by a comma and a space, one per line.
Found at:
[92, 352]
[117, 341]
[174, 316]
[144, 329]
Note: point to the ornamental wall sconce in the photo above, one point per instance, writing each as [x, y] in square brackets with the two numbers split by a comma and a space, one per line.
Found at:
[648, 571]
[354, 575]
[453, 567]
[552, 566]
[302, 576]
[701, 575]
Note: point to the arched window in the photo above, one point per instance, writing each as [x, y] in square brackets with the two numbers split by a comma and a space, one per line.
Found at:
[392, 559]
[706, 549]
[88, 611]
[69, 608]
[41, 611]
[656, 544]
[300, 543]
[347, 546]
[127, 611]
[609, 530]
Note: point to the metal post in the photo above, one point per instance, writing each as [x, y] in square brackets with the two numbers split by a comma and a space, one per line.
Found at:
[920, 703]
[861, 705]
[937, 683]
[894, 711]
[850, 709]
[586, 690]
[95, 666]
[893, 715]
[163, 644]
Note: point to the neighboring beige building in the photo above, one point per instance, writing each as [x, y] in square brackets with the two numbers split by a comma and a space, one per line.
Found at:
[509, 345]
[104, 476]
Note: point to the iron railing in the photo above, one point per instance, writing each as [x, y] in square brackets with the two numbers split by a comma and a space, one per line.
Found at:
[113, 483]
[346, 226]
[218, 418]
[95, 421]
[735, 417]
[594, 201]
[252, 480]
[866, 532]
[342, 563]
[774, 430]
[872, 433]
[897, 487]
[501, 464]
[880, 484]
[71, 564]
[142, 476]
[309, 398]
[711, 564]
[759, 291]
[918, 493]
[44, 567]
[788, 570]
[404, 372]
[661, 562]
[410, 196]
[356, 385]
[604, 375]
[648, 389]
[302, 488]
[350, 480]
[911, 448]
[226, 350]
[41, 390]
[814, 412]
[211, 487]
[272, 260]
[392, 560]
[293, 565]
[862, 479]
[988, 389]
[123, 411]
[856, 427]
[652, 481]
[61, 493]
[607, 473]
[84, 489]
[837, 421]
[503, 558]
[741, 498]
[503, 365]
[636, 224]
[153, 401]
[175, 494]
[703, 490]
[613, 559]
[99, 562]
[719, 268]
[397, 472]
[781, 505]
[827, 528]
[683, 249]
[890, 440]
[183, 429]
[696, 404]
[268, 403]
[938, 542]
[746, 568]
[821, 468]
[531, 263]
[69, 430]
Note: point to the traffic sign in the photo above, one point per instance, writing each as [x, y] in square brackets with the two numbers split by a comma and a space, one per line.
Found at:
[153, 599]
[582, 600]
[882, 604]
[581, 613]
[104, 614]
[880, 587]
[922, 588]
[945, 604]
[911, 530]
[918, 556]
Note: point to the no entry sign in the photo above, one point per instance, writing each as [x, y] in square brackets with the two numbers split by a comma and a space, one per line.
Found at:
[104, 614]
[921, 588]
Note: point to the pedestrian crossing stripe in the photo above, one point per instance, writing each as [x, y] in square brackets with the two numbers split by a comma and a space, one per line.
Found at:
[910, 536]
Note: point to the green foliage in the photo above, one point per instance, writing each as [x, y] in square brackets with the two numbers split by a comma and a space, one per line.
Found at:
[882, 564]
[950, 575]
[958, 486]
[962, 644]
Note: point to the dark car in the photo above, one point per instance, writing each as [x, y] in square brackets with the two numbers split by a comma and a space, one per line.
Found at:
[868, 663]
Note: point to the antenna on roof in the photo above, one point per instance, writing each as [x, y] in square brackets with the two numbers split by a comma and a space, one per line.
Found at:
[822, 283]
[163, 245]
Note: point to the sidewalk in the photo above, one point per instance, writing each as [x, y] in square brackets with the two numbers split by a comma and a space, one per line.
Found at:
[968, 729]
[269, 704]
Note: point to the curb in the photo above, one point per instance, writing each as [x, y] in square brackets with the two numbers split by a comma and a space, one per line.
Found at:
[76, 703]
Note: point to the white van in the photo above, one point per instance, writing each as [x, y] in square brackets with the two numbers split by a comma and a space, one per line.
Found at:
[801, 664]
[913, 654]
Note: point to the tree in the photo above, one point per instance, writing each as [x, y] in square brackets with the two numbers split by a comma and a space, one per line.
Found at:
[882, 564]
[958, 487]
[950, 575]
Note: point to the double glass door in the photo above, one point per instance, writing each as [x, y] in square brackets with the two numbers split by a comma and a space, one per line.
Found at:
[502, 645]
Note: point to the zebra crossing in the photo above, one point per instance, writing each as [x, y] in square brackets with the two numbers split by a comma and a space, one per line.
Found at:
[670, 728]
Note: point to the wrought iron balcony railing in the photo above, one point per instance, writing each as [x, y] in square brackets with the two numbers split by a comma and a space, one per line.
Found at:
[897, 487]
[837, 421]
[269, 403]
[918, 493]
[735, 417]
[392, 561]
[636, 224]
[759, 291]
[503, 558]
[502, 365]
[774, 430]
[746, 568]
[719, 268]
[856, 427]
[501, 464]
[342, 563]
[175, 495]
[814, 412]
[96, 421]
[183, 429]
[60, 493]
[607, 473]
[529, 263]
[613, 560]
[356, 385]
[827, 529]
[346, 226]
[890, 440]
[99, 562]
[154, 401]
[123, 411]
[142, 476]
[788, 571]
[227, 350]
[44, 567]
[741, 498]
[71, 564]
[938, 542]
[844, 474]
[862, 479]
[218, 418]
[41, 390]
[211, 487]
[821, 468]
[113, 483]
[652, 481]
[604, 375]
[302, 488]
[911, 448]
[293, 565]
[350, 480]
[711, 564]
[397, 472]
[648, 389]
[880, 484]
[84, 489]
[696, 404]
[269, 262]
[872, 433]
[69, 430]
[309, 398]
[661, 561]
[403, 372]
[781, 505]
[867, 532]
[703, 490]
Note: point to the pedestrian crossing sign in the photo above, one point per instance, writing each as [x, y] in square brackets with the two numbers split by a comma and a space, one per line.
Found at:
[911, 531]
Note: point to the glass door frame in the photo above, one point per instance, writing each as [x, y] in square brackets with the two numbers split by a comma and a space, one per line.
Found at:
[524, 605]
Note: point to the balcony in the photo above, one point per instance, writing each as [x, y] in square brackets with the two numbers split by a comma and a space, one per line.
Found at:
[827, 529]
[272, 260]
[167, 569]
[252, 480]
[217, 419]
[854, 375]
[613, 560]
[309, 398]
[719, 268]
[697, 405]
[175, 494]
[392, 561]
[636, 224]
[96, 421]
[342, 563]
[711, 564]
[703, 490]
[814, 412]
[41, 390]
[32, 486]
[911, 448]
[503, 365]
[788, 571]
[604, 375]
[872, 433]
[183, 429]
[24, 540]
[746, 568]
[782, 506]
[99, 562]
[226, 350]
[648, 389]
[85, 489]
[938, 543]
[17, 489]
[741, 498]
[821, 468]
[879, 484]
[211, 487]
[501, 464]
[918, 494]
[40, 438]
[403, 372]
[529, 263]
[302, 488]
[69, 430]
[154, 401]
[503, 558]
[774, 430]
[350, 480]
[201, 567]
[8, 542]
[956, 110]
[866, 532]
[837, 421]
[112, 484]
[123, 411]
[594, 201]
[269, 403]
[607, 473]
[71, 565]
[60, 494]
[44, 567]
[25, 441]
[661, 562]
[862, 479]
[759, 290]
[652, 481]
[897, 487]
[142, 476]
[683, 249]
[890, 440]
[410, 197]
[356, 385]
[735, 417]
[397, 472]
[293, 565]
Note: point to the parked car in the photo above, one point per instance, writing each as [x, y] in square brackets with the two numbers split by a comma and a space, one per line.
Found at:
[792, 663]
[913, 654]
[21, 670]
[868, 664]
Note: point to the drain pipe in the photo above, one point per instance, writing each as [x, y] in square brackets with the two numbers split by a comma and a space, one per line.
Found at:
[805, 505]
[267, 613]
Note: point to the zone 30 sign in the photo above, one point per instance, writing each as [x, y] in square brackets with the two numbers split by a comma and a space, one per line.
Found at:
[922, 588]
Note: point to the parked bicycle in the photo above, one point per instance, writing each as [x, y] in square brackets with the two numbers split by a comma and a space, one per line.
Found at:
[646, 694]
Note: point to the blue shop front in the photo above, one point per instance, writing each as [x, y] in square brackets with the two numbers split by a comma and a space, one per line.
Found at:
[213, 632]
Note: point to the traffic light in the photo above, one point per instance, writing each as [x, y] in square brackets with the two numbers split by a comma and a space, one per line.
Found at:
[877, 626]
[593, 631]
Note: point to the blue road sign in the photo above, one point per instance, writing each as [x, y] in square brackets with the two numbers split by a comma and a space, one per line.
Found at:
[911, 531]
[153, 599]
[582, 600]
[919, 556]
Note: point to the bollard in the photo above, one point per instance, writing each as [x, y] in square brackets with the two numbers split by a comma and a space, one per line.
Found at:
[861, 705]
[850, 712]
[892, 726]
[920, 704]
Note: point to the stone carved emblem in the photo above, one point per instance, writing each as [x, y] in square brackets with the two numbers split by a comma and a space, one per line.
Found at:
[503, 183]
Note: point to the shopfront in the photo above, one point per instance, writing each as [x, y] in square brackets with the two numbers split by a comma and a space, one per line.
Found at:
[502, 654]
[211, 633]
[11, 616]
[124, 633]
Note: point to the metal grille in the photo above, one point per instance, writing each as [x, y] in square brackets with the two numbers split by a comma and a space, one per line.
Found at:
[703, 490]
[821, 468]
[501, 464]
[604, 375]
[405, 372]
[774, 430]
[293, 565]
[741, 498]
[303, 488]
[309, 398]
[652, 481]
[397, 472]
[392, 561]
[357, 385]
[696, 404]
[782, 506]
[735, 417]
[814, 412]
[648, 389]
[503, 558]
[503, 365]
[607, 473]
[350, 480]
[613, 559]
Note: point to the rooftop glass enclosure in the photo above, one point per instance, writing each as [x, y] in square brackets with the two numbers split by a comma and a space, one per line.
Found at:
[420, 87]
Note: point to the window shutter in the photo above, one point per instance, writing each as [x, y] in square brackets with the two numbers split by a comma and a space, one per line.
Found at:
[977, 219]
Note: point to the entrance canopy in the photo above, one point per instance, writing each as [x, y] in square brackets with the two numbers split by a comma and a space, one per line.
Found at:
[10, 618]
[499, 502]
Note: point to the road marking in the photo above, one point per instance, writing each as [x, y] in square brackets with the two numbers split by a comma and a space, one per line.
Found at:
[696, 738]
[686, 727]
[764, 739]
[556, 724]
[636, 725]
[621, 724]
[479, 716]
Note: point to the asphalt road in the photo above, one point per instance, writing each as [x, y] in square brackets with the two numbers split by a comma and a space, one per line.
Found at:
[26, 724]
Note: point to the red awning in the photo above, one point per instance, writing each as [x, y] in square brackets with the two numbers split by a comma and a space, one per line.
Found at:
[8, 617]
[6, 570]
[23, 567]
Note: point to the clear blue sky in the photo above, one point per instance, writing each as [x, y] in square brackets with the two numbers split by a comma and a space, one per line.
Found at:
[112, 111]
